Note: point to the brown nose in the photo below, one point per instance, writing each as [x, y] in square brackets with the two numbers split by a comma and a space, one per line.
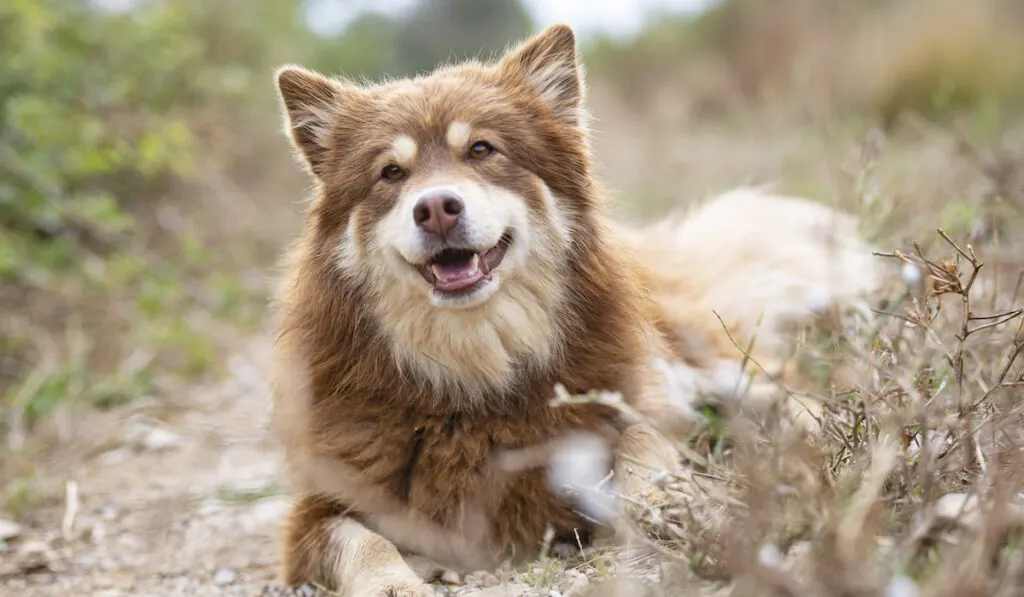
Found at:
[438, 212]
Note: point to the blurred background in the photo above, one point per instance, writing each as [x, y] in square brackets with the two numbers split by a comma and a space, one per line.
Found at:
[146, 188]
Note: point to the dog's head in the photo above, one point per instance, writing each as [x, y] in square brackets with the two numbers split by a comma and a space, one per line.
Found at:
[452, 198]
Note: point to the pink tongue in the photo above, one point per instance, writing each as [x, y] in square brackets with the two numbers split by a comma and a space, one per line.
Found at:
[453, 271]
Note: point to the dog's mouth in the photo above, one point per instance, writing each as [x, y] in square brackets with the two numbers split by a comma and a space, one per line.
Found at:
[460, 271]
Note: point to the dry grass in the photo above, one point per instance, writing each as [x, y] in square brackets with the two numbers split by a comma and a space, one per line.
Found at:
[910, 480]
[828, 59]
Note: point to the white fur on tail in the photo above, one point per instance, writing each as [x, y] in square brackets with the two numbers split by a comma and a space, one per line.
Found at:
[748, 255]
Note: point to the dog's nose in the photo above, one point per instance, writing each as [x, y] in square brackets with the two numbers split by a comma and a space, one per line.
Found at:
[438, 212]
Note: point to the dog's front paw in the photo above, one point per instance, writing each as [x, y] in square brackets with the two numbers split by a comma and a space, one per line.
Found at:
[397, 589]
[390, 585]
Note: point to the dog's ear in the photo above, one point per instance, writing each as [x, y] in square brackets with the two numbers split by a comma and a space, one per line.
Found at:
[550, 64]
[312, 104]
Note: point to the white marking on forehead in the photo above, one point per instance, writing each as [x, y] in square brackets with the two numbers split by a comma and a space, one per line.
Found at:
[405, 149]
[458, 135]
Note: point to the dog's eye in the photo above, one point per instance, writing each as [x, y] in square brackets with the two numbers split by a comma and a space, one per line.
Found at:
[480, 150]
[392, 173]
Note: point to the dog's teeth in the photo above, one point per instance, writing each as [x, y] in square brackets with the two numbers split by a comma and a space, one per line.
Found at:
[471, 269]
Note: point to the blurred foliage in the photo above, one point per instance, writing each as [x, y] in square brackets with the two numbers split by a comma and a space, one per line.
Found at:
[877, 58]
[95, 108]
[101, 112]
[433, 32]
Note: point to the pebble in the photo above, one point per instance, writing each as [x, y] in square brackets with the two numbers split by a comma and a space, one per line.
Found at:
[513, 590]
[451, 577]
[34, 548]
[86, 561]
[161, 439]
[266, 512]
[9, 529]
[901, 586]
[579, 585]
[114, 457]
[224, 577]
[144, 434]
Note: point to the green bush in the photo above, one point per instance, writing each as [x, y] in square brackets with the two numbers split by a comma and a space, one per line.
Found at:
[95, 112]
[101, 113]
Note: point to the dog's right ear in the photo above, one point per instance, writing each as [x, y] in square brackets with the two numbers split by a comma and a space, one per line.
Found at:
[549, 63]
[312, 104]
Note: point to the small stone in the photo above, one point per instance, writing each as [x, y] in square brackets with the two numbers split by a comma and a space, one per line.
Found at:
[86, 561]
[113, 457]
[9, 530]
[901, 586]
[34, 548]
[161, 439]
[145, 434]
[225, 577]
[513, 590]
[97, 533]
[265, 513]
[565, 550]
[579, 585]
[450, 577]
[488, 580]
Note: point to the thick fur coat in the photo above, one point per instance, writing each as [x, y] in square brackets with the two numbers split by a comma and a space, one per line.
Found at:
[456, 266]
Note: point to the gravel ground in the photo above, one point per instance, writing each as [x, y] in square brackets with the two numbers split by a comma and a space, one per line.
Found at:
[185, 505]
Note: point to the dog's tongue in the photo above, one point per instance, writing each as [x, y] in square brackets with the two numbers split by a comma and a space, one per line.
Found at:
[456, 274]
[454, 271]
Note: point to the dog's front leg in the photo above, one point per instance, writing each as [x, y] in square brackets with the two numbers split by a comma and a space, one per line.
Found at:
[643, 453]
[327, 549]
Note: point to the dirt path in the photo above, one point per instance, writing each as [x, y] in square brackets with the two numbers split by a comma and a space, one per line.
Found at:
[182, 505]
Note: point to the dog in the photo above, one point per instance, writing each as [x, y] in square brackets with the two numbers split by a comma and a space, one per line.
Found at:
[456, 269]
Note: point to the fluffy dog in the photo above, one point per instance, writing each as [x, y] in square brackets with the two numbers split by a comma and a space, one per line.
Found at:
[455, 268]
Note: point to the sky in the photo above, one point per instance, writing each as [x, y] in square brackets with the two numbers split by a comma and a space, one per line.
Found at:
[618, 18]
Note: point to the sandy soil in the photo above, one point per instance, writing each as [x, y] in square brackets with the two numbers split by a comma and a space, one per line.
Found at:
[186, 504]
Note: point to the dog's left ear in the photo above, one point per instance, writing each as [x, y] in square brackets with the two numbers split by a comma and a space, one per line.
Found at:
[550, 65]
[312, 105]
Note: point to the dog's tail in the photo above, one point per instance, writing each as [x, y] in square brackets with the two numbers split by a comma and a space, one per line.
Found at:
[746, 267]
[761, 261]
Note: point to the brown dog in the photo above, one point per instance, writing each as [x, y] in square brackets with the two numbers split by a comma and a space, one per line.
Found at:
[456, 267]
